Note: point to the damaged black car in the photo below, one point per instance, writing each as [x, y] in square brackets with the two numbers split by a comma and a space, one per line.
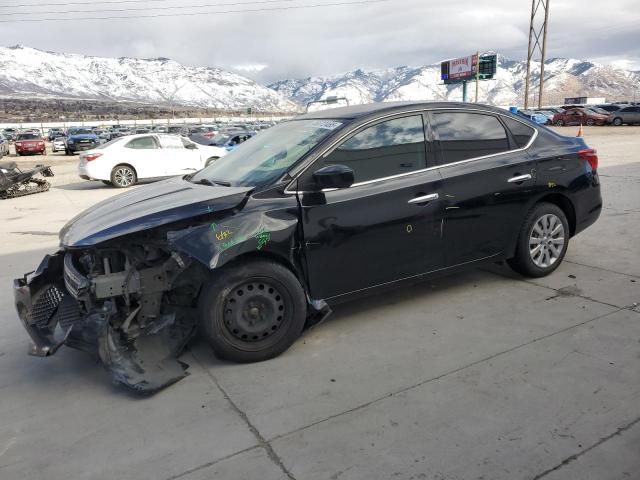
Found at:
[314, 211]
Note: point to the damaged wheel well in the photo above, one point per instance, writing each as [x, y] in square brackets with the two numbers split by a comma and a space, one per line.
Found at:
[248, 256]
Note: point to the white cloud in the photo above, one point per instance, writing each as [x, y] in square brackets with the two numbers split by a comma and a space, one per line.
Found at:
[298, 43]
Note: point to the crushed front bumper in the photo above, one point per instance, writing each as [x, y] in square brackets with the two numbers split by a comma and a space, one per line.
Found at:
[46, 311]
[51, 304]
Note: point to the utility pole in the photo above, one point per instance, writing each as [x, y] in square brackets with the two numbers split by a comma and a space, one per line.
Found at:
[477, 74]
[537, 43]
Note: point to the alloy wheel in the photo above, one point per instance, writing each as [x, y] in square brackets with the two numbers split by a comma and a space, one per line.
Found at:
[123, 177]
[546, 241]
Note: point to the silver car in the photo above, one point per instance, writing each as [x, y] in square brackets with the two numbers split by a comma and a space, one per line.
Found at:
[627, 115]
[4, 145]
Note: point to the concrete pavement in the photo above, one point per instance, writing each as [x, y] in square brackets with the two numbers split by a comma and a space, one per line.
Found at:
[478, 375]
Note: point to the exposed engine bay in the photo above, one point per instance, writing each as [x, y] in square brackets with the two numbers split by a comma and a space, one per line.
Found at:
[132, 304]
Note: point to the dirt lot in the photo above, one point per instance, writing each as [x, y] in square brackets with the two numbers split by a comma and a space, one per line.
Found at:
[478, 375]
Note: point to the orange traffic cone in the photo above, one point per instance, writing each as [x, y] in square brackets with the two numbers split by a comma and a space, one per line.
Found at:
[580, 131]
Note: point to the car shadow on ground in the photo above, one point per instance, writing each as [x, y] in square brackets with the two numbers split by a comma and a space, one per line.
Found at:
[96, 184]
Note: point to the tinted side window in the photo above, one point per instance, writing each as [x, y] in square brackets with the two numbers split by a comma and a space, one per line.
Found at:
[142, 143]
[383, 150]
[520, 132]
[628, 109]
[468, 135]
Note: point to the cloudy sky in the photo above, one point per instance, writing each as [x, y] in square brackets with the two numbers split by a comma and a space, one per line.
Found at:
[277, 39]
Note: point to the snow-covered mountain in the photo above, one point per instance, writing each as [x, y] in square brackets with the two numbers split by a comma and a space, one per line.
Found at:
[563, 78]
[31, 73]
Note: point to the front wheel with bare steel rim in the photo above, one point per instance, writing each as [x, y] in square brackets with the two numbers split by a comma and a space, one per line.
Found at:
[123, 176]
[543, 241]
[252, 310]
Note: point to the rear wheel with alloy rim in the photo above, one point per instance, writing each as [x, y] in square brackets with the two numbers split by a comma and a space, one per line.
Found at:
[252, 311]
[560, 123]
[543, 241]
[590, 122]
[123, 176]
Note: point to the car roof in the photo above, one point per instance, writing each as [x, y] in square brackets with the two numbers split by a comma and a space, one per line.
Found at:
[357, 111]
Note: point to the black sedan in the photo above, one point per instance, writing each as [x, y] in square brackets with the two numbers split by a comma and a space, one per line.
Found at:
[314, 211]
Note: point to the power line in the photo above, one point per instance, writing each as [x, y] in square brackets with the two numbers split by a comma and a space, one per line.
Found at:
[206, 5]
[21, 5]
[219, 12]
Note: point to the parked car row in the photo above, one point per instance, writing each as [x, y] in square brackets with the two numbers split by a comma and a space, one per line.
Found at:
[603, 114]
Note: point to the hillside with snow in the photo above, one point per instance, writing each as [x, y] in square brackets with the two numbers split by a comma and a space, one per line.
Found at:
[563, 78]
[32, 73]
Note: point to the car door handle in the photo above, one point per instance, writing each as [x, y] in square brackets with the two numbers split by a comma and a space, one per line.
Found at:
[520, 178]
[424, 199]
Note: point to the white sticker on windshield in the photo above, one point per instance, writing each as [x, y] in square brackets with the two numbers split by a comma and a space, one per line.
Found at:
[326, 124]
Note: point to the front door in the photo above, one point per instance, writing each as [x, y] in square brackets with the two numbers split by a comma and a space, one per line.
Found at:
[385, 227]
[487, 181]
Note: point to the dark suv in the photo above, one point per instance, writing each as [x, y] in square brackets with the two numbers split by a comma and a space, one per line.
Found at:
[312, 212]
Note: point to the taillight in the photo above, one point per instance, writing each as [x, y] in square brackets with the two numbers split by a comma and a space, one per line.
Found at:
[590, 155]
[92, 156]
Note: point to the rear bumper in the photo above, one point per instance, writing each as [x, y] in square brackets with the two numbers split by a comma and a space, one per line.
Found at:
[588, 204]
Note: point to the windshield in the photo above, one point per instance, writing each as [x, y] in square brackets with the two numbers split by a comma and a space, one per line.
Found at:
[220, 139]
[269, 155]
[80, 131]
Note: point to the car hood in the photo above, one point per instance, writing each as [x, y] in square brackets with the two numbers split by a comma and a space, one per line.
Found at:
[148, 207]
[82, 136]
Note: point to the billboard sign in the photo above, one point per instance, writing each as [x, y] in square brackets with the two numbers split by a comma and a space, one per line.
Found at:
[460, 68]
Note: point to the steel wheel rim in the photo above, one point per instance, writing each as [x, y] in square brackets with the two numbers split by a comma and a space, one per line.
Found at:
[254, 311]
[123, 176]
[546, 240]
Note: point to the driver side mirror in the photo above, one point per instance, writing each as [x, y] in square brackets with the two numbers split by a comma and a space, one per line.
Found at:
[191, 146]
[333, 176]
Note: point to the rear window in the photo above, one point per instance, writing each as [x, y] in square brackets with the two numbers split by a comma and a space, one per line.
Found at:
[142, 143]
[520, 132]
[28, 136]
[462, 136]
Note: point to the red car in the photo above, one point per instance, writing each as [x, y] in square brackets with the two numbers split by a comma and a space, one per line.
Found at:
[29, 143]
[579, 116]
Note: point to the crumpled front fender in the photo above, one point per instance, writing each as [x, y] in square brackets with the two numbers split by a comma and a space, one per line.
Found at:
[217, 243]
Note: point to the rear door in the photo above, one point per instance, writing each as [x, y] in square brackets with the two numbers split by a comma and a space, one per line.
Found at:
[487, 181]
[386, 226]
[177, 159]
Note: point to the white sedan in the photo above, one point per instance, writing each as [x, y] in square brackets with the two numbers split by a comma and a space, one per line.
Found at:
[125, 160]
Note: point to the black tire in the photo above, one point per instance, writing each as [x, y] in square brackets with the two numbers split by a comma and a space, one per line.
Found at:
[67, 151]
[590, 122]
[560, 123]
[252, 311]
[123, 176]
[107, 182]
[210, 161]
[523, 262]
[617, 121]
